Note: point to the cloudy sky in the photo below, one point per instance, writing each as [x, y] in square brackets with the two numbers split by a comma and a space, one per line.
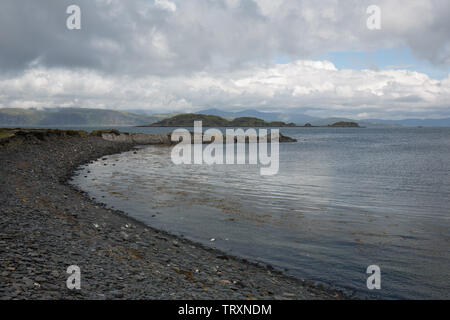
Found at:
[315, 57]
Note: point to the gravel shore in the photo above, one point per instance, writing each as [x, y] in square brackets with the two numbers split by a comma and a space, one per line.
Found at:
[46, 225]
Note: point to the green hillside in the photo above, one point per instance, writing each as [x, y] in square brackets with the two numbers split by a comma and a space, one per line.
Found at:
[72, 117]
[187, 120]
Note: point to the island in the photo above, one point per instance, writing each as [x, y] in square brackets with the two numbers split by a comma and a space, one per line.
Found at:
[213, 121]
[344, 124]
[187, 120]
[340, 124]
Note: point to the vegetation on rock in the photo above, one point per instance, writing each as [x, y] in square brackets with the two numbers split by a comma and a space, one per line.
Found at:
[344, 124]
[187, 120]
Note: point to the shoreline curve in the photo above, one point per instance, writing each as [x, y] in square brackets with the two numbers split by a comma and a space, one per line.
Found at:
[48, 225]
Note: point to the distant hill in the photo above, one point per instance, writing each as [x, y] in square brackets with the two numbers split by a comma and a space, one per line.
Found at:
[15, 117]
[298, 118]
[187, 120]
[415, 122]
[72, 117]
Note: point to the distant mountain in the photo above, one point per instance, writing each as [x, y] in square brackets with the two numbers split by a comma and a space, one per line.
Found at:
[298, 118]
[295, 117]
[302, 119]
[72, 117]
[150, 112]
[328, 121]
[99, 117]
[187, 120]
[415, 122]
[217, 112]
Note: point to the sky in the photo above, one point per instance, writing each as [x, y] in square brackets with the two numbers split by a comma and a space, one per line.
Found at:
[302, 56]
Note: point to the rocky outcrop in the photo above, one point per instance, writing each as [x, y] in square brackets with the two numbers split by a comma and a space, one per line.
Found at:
[163, 139]
[137, 138]
[286, 139]
[22, 135]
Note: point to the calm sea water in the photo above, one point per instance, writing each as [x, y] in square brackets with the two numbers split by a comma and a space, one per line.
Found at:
[344, 199]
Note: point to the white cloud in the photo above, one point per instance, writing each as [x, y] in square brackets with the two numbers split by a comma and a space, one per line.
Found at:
[317, 86]
[166, 5]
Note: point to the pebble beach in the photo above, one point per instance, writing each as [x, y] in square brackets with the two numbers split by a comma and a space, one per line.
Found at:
[46, 225]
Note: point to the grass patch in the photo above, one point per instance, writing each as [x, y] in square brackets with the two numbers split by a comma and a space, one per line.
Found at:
[5, 134]
[98, 133]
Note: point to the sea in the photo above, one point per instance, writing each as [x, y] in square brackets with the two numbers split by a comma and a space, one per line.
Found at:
[344, 199]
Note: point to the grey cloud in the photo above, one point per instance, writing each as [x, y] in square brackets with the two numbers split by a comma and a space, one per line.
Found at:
[133, 37]
[410, 98]
[137, 37]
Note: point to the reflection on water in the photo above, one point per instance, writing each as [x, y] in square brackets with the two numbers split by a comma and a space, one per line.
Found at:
[344, 199]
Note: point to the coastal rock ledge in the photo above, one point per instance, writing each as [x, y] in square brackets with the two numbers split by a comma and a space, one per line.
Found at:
[163, 139]
[137, 138]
